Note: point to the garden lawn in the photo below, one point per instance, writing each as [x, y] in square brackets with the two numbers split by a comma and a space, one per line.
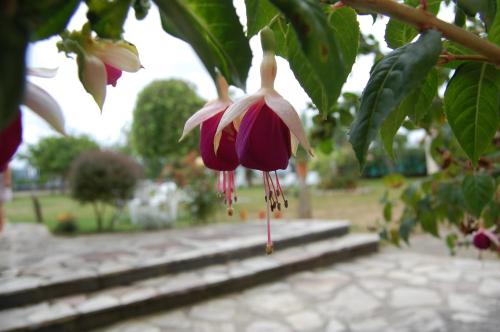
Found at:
[360, 206]
[21, 210]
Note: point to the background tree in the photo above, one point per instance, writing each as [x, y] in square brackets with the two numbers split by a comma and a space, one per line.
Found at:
[52, 156]
[161, 110]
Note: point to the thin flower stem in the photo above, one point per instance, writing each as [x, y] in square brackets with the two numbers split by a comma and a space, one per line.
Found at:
[269, 244]
[424, 20]
[218, 183]
[280, 189]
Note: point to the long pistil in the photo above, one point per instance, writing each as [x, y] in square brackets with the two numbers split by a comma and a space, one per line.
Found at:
[269, 244]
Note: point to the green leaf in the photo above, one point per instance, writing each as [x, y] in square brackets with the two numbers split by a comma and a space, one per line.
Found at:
[388, 211]
[14, 41]
[471, 103]
[398, 34]
[391, 126]
[323, 93]
[415, 105]
[478, 191]
[494, 31]
[406, 227]
[485, 8]
[427, 216]
[411, 195]
[214, 31]
[392, 78]
[280, 28]
[451, 242]
[460, 17]
[53, 20]
[141, 8]
[259, 14]
[320, 46]
[107, 17]
[394, 236]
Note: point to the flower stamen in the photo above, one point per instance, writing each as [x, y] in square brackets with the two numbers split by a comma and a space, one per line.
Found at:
[280, 190]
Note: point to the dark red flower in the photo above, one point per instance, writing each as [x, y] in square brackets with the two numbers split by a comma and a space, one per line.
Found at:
[10, 138]
[225, 159]
[483, 239]
[263, 141]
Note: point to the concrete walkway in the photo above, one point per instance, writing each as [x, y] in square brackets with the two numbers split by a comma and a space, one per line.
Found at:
[392, 291]
[30, 256]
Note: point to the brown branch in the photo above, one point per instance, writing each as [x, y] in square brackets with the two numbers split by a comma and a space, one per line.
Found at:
[447, 58]
[424, 20]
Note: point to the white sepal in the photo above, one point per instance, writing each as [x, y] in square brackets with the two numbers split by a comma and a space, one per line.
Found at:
[42, 72]
[234, 113]
[94, 78]
[287, 113]
[41, 103]
[210, 109]
[119, 55]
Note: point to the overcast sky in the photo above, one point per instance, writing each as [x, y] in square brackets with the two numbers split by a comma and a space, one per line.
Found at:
[162, 57]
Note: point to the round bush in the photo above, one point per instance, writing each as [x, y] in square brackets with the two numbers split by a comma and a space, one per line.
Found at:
[103, 176]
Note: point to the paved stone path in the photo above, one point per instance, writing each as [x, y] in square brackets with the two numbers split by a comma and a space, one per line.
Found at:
[30, 256]
[392, 291]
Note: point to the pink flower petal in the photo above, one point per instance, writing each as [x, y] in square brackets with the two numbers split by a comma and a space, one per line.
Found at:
[226, 158]
[11, 138]
[112, 74]
[263, 141]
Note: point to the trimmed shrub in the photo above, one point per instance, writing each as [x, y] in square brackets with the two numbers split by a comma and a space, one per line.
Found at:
[104, 178]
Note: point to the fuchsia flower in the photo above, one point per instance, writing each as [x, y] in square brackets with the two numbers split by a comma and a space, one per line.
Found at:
[102, 64]
[483, 238]
[42, 104]
[225, 160]
[11, 138]
[268, 130]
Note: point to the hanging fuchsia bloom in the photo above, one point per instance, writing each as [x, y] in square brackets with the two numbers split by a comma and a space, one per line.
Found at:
[102, 63]
[483, 239]
[42, 104]
[225, 160]
[268, 130]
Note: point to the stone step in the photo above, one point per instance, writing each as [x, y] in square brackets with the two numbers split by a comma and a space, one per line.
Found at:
[87, 311]
[221, 251]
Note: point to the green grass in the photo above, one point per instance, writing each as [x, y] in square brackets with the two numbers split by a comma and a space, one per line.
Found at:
[360, 206]
[53, 205]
